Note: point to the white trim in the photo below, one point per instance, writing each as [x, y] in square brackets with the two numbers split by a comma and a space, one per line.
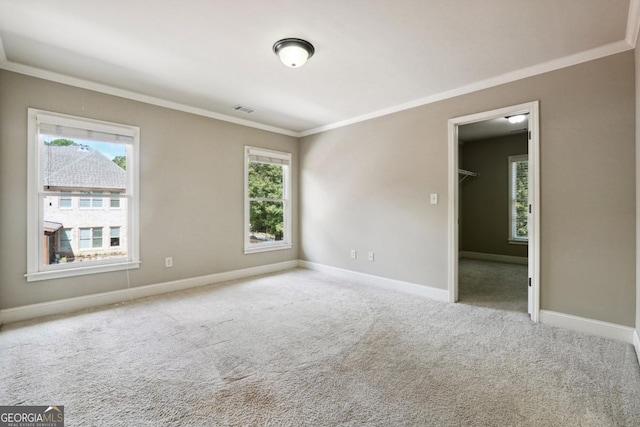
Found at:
[545, 67]
[494, 257]
[79, 303]
[127, 94]
[82, 270]
[534, 218]
[35, 268]
[534, 197]
[285, 243]
[633, 23]
[453, 213]
[636, 344]
[380, 282]
[589, 326]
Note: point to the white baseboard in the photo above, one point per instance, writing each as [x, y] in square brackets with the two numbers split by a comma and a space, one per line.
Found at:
[589, 326]
[494, 257]
[636, 344]
[79, 303]
[380, 282]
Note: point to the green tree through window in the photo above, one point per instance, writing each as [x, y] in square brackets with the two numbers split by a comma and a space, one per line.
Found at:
[266, 190]
[519, 189]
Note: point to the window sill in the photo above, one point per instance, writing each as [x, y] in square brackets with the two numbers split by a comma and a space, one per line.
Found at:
[81, 271]
[266, 248]
[519, 242]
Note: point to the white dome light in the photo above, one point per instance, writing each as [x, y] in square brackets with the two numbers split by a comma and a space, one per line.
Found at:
[293, 52]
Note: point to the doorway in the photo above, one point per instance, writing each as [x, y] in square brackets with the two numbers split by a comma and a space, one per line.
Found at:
[531, 206]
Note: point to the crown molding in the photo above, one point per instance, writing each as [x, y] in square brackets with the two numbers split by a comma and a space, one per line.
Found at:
[123, 93]
[633, 23]
[633, 28]
[545, 67]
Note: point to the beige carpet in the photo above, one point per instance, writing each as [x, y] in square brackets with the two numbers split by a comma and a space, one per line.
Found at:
[306, 349]
[493, 284]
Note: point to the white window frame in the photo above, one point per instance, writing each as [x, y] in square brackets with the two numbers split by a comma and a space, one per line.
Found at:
[513, 239]
[36, 269]
[285, 243]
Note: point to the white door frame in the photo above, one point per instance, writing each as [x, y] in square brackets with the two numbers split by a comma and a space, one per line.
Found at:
[532, 108]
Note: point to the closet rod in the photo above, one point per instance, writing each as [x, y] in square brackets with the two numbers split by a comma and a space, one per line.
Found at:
[465, 174]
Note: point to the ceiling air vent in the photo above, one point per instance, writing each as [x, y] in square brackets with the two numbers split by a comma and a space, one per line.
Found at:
[244, 109]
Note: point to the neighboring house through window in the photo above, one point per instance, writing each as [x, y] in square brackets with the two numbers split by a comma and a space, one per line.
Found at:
[519, 200]
[267, 189]
[74, 186]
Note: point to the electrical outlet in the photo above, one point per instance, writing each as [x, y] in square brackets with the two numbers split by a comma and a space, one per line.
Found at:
[354, 254]
[168, 262]
[371, 256]
[434, 198]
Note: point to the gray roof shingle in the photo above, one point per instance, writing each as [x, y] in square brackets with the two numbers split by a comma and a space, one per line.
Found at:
[81, 168]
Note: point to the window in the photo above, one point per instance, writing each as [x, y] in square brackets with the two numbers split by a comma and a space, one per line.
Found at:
[519, 200]
[65, 200]
[66, 236]
[91, 238]
[115, 236]
[114, 201]
[93, 202]
[267, 213]
[81, 163]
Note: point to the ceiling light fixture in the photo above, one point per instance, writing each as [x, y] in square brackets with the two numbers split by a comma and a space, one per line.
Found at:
[518, 118]
[293, 52]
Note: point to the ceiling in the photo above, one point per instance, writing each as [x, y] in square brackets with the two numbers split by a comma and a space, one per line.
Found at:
[372, 57]
[492, 128]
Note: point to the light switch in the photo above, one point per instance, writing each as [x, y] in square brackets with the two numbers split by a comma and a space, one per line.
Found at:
[434, 198]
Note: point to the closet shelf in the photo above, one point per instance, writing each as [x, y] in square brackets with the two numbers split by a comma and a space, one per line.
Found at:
[464, 174]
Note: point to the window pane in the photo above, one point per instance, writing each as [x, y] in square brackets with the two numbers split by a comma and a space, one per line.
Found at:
[265, 180]
[267, 221]
[65, 200]
[65, 240]
[90, 243]
[85, 238]
[115, 236]
[115, 203]
[77, 166]
[519, 199]
[97, 237]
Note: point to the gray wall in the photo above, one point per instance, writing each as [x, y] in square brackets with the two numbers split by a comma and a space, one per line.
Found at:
[366, 186]
[191, 190]
[484, 200]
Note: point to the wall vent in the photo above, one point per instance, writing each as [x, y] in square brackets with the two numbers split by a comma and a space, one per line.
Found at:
[244, 109]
